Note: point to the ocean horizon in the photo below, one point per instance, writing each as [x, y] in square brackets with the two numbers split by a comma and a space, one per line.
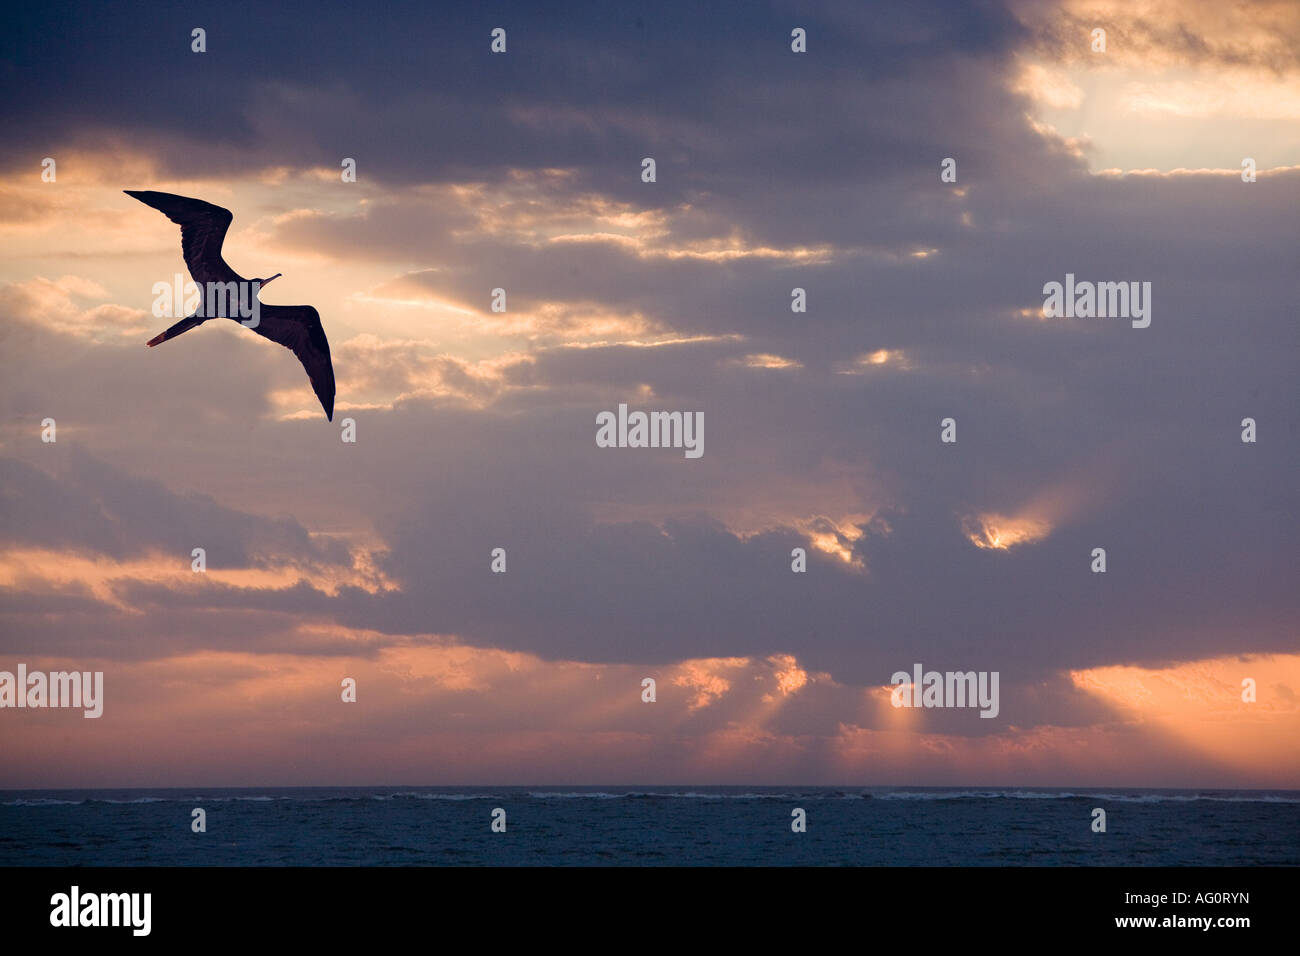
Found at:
[649, 825]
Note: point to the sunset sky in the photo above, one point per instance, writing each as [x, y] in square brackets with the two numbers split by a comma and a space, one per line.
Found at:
[476, 430]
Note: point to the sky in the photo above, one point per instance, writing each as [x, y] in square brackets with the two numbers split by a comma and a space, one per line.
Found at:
[476, 429]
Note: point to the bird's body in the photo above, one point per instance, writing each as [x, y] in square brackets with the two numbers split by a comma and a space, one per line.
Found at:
[296, 327]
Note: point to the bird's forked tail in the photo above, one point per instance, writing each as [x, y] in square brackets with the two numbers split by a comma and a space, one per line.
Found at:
[184, 325]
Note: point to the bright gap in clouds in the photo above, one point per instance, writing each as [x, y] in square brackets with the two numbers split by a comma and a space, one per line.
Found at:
[1175, 119]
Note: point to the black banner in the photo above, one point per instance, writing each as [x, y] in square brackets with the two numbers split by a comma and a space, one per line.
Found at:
[308, 905]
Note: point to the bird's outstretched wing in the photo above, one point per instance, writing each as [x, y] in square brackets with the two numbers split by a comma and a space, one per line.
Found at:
[298, 328]
[203, 230]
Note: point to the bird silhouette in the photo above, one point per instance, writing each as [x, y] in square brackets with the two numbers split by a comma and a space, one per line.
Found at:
[296, 327]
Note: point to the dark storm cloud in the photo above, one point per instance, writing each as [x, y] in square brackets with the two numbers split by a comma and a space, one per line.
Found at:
[1183, 581]
[415, 95]
[95, 509]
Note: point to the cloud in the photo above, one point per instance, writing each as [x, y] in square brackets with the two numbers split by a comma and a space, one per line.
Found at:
[91, 507]
[280, 717]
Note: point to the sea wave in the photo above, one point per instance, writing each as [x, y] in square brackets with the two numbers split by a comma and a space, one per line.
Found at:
[41, 802]
[669, 795]
[1289, 797]
[1070, 795]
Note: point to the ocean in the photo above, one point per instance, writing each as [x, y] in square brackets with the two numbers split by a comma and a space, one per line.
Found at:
[654, 826]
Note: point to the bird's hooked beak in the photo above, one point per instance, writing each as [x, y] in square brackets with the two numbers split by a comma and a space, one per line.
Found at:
[266, 282]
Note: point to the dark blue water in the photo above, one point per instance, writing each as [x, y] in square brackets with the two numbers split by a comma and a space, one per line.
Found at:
[649, 826]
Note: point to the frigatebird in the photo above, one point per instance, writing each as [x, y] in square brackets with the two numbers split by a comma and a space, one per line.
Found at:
[296, 327]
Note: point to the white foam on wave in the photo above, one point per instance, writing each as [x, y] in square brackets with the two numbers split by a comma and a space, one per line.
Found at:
[41, 802]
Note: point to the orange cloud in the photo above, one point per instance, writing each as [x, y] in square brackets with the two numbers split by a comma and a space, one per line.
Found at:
[1200, 705]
